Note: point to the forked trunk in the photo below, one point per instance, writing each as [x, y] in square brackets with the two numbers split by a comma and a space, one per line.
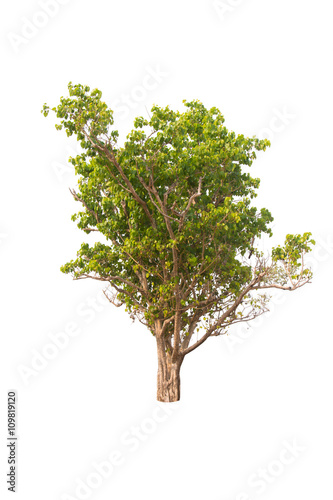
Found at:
[168, 376]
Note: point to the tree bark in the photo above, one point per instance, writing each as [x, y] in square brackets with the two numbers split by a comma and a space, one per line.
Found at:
[168, 375]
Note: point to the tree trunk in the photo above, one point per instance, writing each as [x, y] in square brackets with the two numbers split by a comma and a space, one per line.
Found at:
[168, 376]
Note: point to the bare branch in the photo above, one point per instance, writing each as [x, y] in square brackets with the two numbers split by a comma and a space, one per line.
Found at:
[224, 316]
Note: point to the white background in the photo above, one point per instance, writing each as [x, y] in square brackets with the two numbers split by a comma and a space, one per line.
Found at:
[241, 400]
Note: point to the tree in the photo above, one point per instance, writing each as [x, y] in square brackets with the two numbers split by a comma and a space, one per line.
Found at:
[178, 232]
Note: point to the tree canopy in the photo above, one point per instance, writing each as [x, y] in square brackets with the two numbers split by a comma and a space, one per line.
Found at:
[174, 208]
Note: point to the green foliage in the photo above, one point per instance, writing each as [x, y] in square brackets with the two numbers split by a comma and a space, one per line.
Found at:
[174, 205]
[295, 245]
[291, 255]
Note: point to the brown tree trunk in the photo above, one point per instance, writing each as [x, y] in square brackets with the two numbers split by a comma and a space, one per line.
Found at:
[168, 376]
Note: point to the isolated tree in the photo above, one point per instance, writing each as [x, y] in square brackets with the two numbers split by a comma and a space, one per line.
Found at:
[178, 231]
